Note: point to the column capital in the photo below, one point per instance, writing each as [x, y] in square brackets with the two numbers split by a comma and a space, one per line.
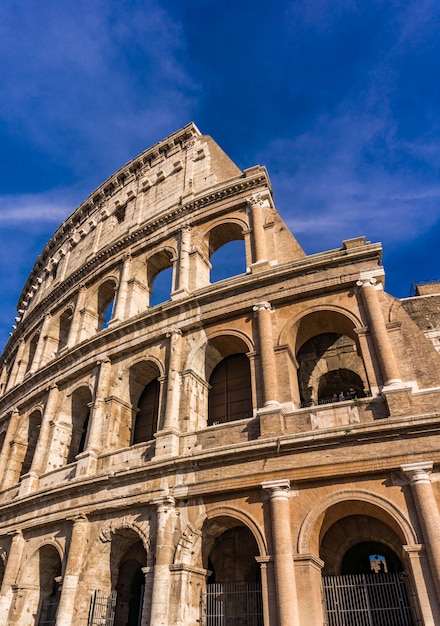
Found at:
[366, 282]
[277, 488]
[262, 306]
[174, 331]
[418, 473]
[164, 502]
[257, 200]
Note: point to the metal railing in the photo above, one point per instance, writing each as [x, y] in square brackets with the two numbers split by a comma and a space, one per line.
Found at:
[232, 604]
[367, 600]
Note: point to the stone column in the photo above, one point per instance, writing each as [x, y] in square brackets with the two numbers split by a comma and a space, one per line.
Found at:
[6, 449]
[13, 378]
[87, 461]
[283, 552]
[40, 358]
[42, 446]
[257, 205]
[267, 354]
[77, 546]
[164, 557]
[121, 300]
[182, 289]
[265, 596]
[77, 317]
[427, 512]
[379, 332]
[167, 440]
[10, 575]
[429, 610]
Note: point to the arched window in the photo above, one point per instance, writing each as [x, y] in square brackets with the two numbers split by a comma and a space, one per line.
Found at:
[144, 396]
[160, 277]
[230, 396]
[147, 413]
[106, 298]
[64, 328]
[33, 430]
[32, 350]
[226, 251]
[81, 400]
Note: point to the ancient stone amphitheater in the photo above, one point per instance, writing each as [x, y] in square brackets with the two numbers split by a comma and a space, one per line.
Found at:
[178, 450]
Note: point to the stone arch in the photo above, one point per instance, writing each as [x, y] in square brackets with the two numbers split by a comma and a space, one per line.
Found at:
[39, 579]
[32, 350]
[312, 527]
[144, 385]
[222, 343]
[327, 353]
[234, 515]
[111, 527]
[27, 436]
[158, 263]
[64, 324]
[222, 234]
[289, 333]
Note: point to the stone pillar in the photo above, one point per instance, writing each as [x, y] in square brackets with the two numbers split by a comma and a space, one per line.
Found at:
[121, 301]
[13, 378]
[75, 558]
[427, 512]
[182, 289]
[379, 332]
[283, 552]
[167, 440]
[267, 354]
[40, 357]
[257, 205]
[265, 596]
[42, 446]
[87, 461]
[7, 443]
[77, 317]
[164, 552]
[416, 560]
[308, 572]
[10, 576]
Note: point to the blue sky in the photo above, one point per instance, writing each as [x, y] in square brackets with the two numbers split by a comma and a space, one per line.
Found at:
[340, 99]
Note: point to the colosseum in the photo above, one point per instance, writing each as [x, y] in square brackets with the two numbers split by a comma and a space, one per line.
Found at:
[256, 450]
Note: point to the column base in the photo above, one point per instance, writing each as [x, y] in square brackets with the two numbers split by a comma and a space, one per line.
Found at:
[272, 421]
[167, 444]
[29, 482]
[86, 464]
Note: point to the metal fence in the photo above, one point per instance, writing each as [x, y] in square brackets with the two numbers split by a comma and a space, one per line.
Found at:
[232, 604]
[48, 611]
[367, 600]
[102, 608]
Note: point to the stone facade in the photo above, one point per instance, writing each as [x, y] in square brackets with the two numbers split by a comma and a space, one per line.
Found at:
[190, 461]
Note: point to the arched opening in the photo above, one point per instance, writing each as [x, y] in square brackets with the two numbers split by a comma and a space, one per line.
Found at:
[160, 277]
[50, 578]
[39, 589]
[364, 579]
[145, 401]
[106, 300]
[233, 589]
[128, 557]
[33, 431]
[81, 402]
[145, 424]
[32, 351]
[227, 251]
[330, 368]
[64, 328]
[230, 394]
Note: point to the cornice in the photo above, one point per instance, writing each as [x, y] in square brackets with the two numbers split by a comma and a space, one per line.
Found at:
[178, 212]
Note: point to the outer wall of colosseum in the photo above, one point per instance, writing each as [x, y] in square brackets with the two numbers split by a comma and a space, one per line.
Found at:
[179, 450]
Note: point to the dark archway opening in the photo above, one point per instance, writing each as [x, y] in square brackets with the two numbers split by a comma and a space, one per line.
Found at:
[147, 413]
[230, 395]
[370, 557]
